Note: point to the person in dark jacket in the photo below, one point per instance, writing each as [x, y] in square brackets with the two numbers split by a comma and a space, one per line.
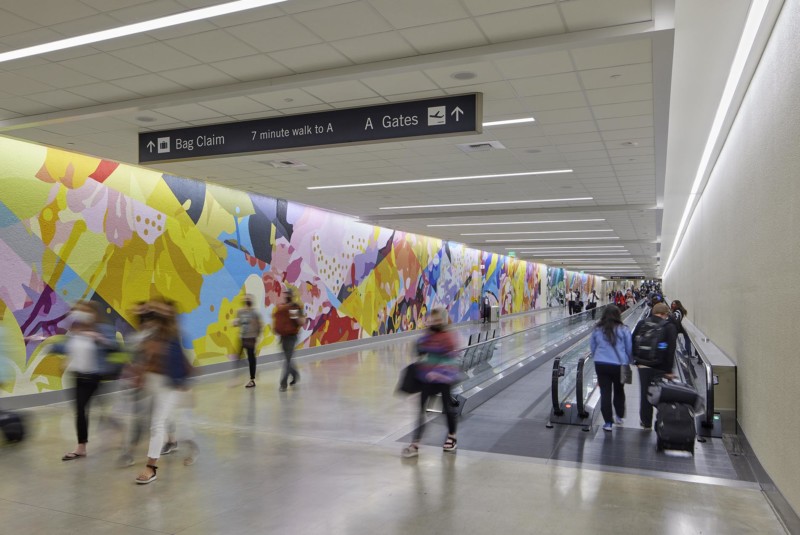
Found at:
[486, 308]
[679, 312]
[649, 374]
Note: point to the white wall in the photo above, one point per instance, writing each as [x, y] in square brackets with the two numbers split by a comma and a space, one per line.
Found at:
[738, 268]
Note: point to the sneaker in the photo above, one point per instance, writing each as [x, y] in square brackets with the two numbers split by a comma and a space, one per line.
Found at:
[169, 447]
[645, 426]
[295, 380]
[282, 389]
[125, 460]
[619, 421]
[608, 427]
[409, 451]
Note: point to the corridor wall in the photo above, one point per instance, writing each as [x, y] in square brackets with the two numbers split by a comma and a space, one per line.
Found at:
[736, 268]
[77, 227]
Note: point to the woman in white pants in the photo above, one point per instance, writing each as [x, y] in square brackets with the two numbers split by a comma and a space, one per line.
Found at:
[164, 373]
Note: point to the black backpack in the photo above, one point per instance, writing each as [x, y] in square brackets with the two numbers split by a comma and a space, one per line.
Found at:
[650, 335]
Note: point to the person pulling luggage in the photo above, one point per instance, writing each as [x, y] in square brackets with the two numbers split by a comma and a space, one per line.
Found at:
[654, 341]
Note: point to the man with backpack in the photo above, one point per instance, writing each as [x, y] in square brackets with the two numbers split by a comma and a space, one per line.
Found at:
[654, 341]
[287, 319]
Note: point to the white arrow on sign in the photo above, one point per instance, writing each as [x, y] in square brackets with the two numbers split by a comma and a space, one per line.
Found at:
[151, 145]
[456, 112]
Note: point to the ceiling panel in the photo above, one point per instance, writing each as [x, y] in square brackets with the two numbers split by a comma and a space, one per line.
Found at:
[444, 36]
[310, 58]
[337, 22]
[521, 23]
[217, 45]
[410, 13]
[588, 14]
[374, 47]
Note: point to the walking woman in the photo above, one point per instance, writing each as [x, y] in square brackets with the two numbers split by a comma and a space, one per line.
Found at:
[437, 369]
[164, 374]
[611, 346]
[83, 346]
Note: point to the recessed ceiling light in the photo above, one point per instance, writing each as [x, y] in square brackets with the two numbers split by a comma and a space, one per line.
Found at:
[512, 223]
[490, 203]
[551, 239]
[629, 144]
[146, 119]
[139, 27]
[463, 75]
[529, 232]
[446, 179]
[510, 121]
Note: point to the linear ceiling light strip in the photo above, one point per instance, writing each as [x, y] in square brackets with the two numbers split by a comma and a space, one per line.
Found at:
[514, 223]
[443, 179]
[551, 239]
[490, 203]
[532, 232]
[139, 27]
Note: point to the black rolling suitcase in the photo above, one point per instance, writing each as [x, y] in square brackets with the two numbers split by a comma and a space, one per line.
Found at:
[12, 426]
[675, 427]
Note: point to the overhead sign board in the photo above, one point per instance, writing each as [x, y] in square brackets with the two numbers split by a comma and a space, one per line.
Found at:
[458, 114]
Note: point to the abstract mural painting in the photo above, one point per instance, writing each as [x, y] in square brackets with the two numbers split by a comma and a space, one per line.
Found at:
[77, 227]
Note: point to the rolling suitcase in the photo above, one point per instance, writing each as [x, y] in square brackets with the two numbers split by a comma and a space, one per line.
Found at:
[671, 392]
[675, 427]
[12, 426]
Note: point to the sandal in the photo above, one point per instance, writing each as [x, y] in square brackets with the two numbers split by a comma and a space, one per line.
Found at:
[450, 444]
[251, 384]
[141, 479]
[412, 450]
[72, 456]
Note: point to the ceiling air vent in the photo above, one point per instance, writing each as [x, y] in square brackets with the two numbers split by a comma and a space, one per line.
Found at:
[286, 164]
[481, 146]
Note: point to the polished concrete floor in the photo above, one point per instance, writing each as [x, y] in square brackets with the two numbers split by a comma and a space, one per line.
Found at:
[324, 458]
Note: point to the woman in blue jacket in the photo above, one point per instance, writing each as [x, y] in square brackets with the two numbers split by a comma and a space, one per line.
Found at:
[611, 346]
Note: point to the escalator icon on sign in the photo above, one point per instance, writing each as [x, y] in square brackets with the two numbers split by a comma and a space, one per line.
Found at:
[437, 115]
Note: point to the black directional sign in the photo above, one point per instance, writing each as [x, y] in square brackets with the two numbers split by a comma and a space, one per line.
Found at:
[460, 114]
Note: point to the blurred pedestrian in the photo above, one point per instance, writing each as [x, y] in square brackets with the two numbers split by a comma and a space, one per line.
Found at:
[249, 322]
[438, 370]
[84, 347]
[654, 354]
[146, 326]
[287, 318]
[611, 346]
[165, 371]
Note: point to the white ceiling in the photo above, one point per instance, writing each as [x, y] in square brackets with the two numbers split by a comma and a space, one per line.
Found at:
[591, 72]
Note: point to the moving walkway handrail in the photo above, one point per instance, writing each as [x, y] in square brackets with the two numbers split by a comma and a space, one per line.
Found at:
[580, 398]
[708, 420]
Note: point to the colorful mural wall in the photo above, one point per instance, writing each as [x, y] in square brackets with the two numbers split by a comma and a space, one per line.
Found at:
[77, 227]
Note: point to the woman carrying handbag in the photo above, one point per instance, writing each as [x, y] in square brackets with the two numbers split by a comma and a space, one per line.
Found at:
[437, 370]
[611, 346]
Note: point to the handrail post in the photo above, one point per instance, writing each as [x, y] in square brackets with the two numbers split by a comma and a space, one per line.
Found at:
[579, 388]
[554, 387]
